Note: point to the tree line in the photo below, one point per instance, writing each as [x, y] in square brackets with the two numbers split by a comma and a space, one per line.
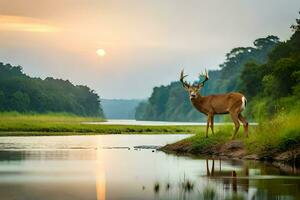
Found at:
[267, 73]
[21, 93]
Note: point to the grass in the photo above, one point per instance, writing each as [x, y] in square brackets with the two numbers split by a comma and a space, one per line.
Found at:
[279, 134]
[16, 124]
[268, 139]
[202, 144]
[199, 144]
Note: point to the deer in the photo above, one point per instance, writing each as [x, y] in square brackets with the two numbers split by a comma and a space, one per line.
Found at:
[232, 103]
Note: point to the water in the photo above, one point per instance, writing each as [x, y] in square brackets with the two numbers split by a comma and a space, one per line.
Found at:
[110, 167]
[154, 123]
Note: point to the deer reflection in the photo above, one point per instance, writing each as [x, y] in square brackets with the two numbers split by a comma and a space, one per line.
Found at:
[229, 177]
[212, 173]
[234, 181]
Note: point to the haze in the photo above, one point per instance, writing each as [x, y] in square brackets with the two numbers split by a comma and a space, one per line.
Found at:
[146, 43]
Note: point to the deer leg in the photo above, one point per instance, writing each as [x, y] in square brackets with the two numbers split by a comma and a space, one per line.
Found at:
[236, 122]
[213, 167]
[212, 124]
[207, 125]
[245, 124]
[207, 168]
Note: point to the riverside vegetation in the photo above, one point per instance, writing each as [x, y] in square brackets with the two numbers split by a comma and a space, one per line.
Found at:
[273, 92]
[275, 140]
[16, 124]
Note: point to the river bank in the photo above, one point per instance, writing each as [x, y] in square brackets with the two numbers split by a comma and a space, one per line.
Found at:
[234, 149]
[16, 124]
[222, 147]
[274, 139]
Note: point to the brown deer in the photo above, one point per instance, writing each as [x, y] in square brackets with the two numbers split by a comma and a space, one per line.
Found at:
[232, 103]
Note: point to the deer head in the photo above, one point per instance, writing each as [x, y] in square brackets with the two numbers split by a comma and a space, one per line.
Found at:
[193, 89]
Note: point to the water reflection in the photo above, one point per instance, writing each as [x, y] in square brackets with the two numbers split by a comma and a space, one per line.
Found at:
[97, 173]
[255, 180]
[229, 178]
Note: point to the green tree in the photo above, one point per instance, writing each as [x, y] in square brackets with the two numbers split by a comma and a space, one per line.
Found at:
[171, 102]
[251, 78]
[19, 102]
[22, 93]
[2, 101]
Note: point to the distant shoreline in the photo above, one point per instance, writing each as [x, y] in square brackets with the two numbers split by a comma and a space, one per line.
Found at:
[16, 124]
[157, 123]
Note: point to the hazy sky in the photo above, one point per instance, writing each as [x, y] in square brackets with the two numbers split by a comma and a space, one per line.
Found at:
[146, 42]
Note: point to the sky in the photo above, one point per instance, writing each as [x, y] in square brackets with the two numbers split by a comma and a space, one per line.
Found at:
[145, 42]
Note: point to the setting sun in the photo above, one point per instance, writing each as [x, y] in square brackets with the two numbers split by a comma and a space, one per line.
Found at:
[101, 52]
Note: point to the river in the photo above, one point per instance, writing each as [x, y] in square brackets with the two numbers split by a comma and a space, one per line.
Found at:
[113, 167]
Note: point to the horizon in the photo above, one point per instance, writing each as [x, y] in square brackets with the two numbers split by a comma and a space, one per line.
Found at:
[91, 44]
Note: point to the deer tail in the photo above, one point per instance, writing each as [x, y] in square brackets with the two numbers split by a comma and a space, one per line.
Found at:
[244, 100]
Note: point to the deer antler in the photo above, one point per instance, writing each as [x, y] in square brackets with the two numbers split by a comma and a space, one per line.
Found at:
[206, 78]
[184, 83]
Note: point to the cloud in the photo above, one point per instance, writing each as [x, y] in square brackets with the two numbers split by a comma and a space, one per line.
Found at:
[25, 24]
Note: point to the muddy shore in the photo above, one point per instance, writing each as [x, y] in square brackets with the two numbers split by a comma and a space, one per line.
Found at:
[234, 149]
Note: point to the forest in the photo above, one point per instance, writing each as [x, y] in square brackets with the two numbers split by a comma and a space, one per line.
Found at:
[267, 73]
[24, 94]
[119, 108]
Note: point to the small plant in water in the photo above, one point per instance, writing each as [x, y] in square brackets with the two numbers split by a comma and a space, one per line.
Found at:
[156, 187]
[187, 186]
[209, 193]
[168, 186]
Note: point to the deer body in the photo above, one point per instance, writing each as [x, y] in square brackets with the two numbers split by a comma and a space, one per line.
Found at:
[232, 103]
[214, 104]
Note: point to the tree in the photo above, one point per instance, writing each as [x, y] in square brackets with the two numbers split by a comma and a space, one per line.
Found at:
[2, 101]
[19, 101]
[296, 27]
[172, 103]
[267, 42]
[22, 93]
[251, 79]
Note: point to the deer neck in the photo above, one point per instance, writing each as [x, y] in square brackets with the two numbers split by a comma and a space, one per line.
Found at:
[198, 103]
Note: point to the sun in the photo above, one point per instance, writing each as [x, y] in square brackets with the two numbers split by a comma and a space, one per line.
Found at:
[101, 52]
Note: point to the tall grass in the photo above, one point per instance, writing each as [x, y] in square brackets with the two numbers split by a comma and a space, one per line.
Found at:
[280, 133]
[277, 134]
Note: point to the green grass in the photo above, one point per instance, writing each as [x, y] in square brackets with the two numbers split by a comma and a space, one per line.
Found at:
[276, 135]
[199, 144]
[280, 133]
[16, 124]
[202, 144]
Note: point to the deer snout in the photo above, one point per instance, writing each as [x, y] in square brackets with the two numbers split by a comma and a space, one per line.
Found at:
[192, 95]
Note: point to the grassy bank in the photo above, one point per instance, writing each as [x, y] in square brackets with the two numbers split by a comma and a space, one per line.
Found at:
[15, 124]
[199, 144]
[282, 133]
[274, 139]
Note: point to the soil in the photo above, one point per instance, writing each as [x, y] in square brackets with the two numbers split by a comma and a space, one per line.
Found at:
[234, 149]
